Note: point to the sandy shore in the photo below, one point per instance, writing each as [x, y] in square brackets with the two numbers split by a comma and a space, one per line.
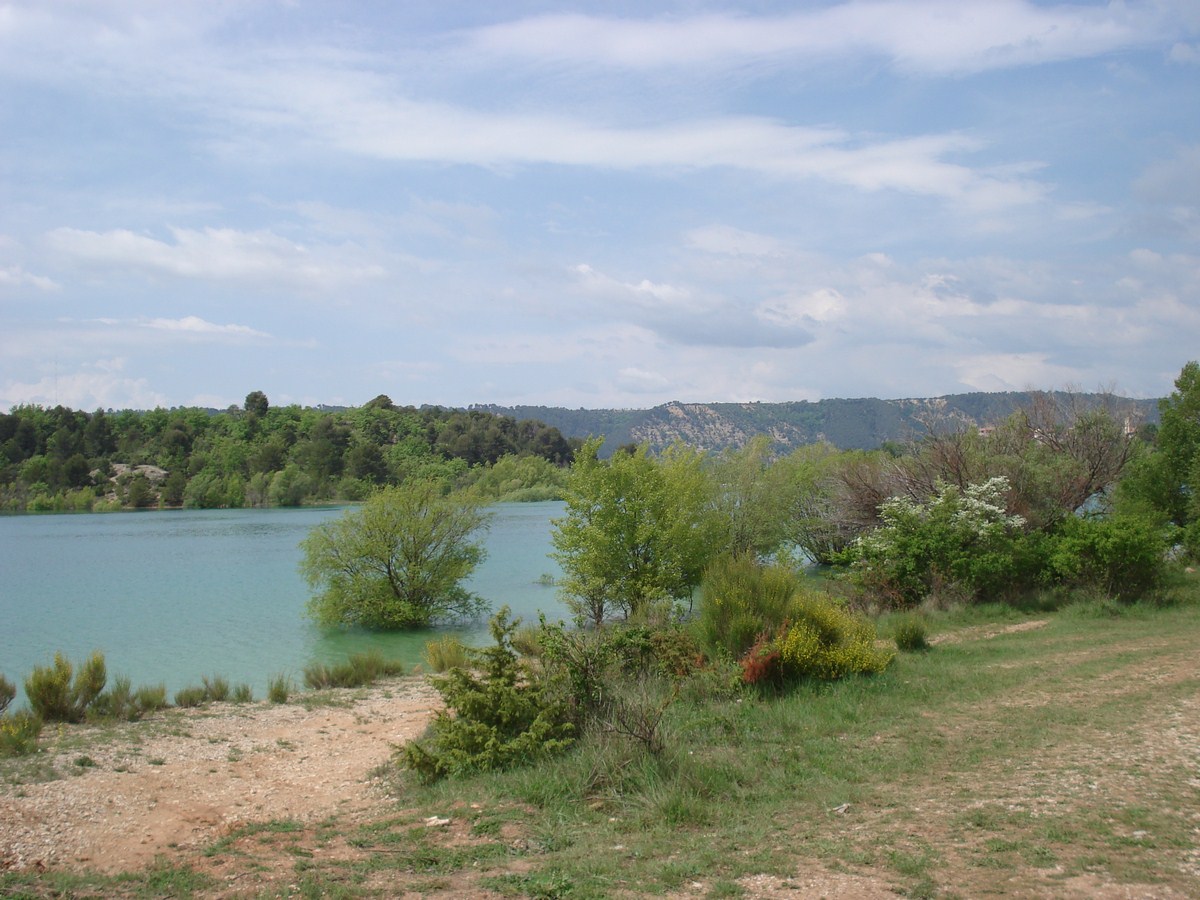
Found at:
[180, 780]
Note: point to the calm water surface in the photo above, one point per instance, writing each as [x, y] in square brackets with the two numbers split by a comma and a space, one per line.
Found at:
[172, 596]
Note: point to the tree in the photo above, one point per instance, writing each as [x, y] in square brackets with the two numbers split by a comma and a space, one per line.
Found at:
[638, 530]
[256, 403]
[397, 562]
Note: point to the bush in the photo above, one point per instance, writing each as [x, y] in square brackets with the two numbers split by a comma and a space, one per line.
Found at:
[740, 599]
[910, 633]
[19, 734]
[8, 691]
[1123, 556]
[495, 720]
[965, 537]
[445, 653]
[216, 688]
[189, 697]
[59, 694]
[279, 688]
[359, 670]
[121, 702]
[821, 640]
[243, 693]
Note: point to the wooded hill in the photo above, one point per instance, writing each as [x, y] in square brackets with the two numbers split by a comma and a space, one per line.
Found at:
[862, 424]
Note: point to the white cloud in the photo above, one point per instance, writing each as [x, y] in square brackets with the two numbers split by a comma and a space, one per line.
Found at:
[193, 325]
[821, 305]
[98, 385]
[219, 254]
[923, 36]
[15, 276]
[645, 293]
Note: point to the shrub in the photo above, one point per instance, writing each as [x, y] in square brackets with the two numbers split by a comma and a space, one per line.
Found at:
[19, 733]
[8, 691]
[58, 693]
[445, 653]
[740, 599]
[358, 670]
[500, 717]
[243, 693]
[910, 633]
[822, 640]
[189, 697]
[118, 702]
[216, 688]
[1123, 556]
[965, 537]
[279, 688]
[151, 697]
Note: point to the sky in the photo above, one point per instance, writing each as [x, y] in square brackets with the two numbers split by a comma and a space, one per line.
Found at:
[605, 204]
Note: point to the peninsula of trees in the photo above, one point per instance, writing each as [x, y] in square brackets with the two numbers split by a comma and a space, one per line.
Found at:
[264, 455]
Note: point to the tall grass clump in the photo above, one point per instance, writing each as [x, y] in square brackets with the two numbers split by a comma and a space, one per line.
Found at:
[216, 688]
[359, 670]
[19, 733]
[740, 599]
[279, 688]
[910, 633]
[58, 693]
[445, 653]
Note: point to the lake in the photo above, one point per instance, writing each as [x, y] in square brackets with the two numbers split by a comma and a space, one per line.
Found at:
[171, 596]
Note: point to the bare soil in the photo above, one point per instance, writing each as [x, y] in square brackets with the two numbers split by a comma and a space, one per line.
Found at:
[178, 782]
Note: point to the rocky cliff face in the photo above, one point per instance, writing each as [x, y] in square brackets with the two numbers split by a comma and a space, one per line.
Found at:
[848, 424]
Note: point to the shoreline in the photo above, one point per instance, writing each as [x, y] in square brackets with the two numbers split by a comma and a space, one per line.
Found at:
[111, 798]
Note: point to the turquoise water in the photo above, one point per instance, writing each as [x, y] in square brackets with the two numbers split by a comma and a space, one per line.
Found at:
[175, 595]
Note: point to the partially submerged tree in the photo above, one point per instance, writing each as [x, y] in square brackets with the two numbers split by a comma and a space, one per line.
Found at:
[399, 561]
[638, 530]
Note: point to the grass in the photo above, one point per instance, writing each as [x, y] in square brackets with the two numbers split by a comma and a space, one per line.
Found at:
[1001, 759]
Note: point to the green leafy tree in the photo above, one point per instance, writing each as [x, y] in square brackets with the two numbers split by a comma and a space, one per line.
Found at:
[399, 561]
[638, 530]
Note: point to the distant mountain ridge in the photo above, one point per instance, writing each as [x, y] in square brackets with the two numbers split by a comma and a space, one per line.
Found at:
[848, 424]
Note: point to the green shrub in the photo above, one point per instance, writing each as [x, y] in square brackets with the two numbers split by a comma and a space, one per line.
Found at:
[358, 670]
[961, 537]
[190, 696]
[118, 702]
[911, 633]
[494, 720]
[279, 688]
[243, 693]
[151, 697]
[1123, 556]
[822, 640]
[216, 688]
[8, 691]
[58, 693]
[445, 653]
[19, 733]
[740, 599]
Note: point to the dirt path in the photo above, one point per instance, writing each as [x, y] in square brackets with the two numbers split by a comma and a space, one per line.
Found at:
[184, 779]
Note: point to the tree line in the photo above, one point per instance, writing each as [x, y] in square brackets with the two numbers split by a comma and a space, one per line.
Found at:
[1067, 493]
[262, 455]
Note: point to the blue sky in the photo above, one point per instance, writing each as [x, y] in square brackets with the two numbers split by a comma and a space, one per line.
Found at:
[594, 204]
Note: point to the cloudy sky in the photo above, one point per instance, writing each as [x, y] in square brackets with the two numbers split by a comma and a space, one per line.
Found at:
[594, 204]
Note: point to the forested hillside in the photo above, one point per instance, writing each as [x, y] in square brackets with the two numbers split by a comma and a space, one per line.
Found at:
[848, 424]
[257, 454]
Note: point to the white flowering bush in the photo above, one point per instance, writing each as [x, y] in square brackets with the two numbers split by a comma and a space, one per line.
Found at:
[964, 537]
